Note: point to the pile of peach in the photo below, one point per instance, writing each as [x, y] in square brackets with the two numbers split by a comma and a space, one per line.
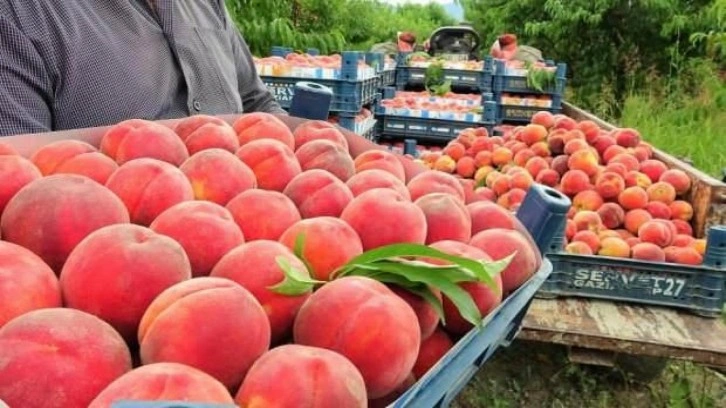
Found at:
[625, 202]
[149, 267]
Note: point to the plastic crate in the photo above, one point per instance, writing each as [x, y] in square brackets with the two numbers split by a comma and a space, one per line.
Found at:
[388, 77]
[460, 78]
[700, 289]
[350, 93]
[520, 113]
[425, 129]
[503, 79]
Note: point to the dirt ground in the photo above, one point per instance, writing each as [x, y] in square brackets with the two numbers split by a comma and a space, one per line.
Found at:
[530, 374]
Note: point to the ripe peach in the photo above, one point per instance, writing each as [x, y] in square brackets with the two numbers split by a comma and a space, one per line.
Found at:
[618, 168]
[700, 246]
[348, 315]
[632, 241]
[609, 185]
[634, 219]
[585, 160]
[588, 237]
[51, 215]
[522, 157]
[163, 382]
[15, 173]
[94, 165]
[522, 180]
[559, 164]
[682, 240]
[658, 210]
[318, 193]
[481, 144]
[647, 251]
[541, 149]
[217, 175]
[662, 192]
[564, 122]
[326, 155]
[574, 134]
[483, 194]
[447, 218]
[501, 156]
[641, 153]
[502, 184]
[536, 165]
[487, 215]
[26, 283]
[445, 164]
[169, 330]
[612, 152]
[261, 125]
[512, 199]
[683, 227]
[49, 157]
[318, 130]
[578, 248]
[653, 169]
[626, 137]
[590, 129]
[483, 159]
[612, 215]
[588, 200]
[670, 253]
[656, 233]
[575, 181]
[7, 150]
[431, 351]
[205, 230]
[614, 247]
[556, 142]
[602, 144]
[681, 210]
[455, 150]
[273, 163]
[609, 233]
[588, 220]
[465, 167]
[632, 198]
[533, 133]
[383, 217]
[255, 266]
[200, 132]
[678, 179]
[101, 271]
[570, 229]
[428, 319]
[687, 256]
[629, 161]
[78, 353]
[624, 234]
[138, 138]
[544, 119]
[576, 145]
[375, 178]
[262, 214]
[318, 233]
[637, 179]
[434, 182]
[501, 243]
[548, 177]
[311, 376]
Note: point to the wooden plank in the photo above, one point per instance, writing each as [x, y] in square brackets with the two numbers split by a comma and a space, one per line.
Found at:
[629, 329]
[707, 195]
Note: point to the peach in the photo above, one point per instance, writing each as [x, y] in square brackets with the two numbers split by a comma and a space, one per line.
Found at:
[15, 173]
[262, 214]
[662, 192]
[468, 185]
[205, 230]
[318, 130]
[585, 160]
[670, 253]
[273, 163]
[548, 177]
[487, 215]
[261, 125]
[256, 266]
[678, 179]
[559, 164]
[588, 220]
[434, 182]
[447, 218]
[575, 181]
[656, 233]
[634, 219]
[78, 354]
[200, 132]
[610, 233]
[375, 178]
[541, 149]
[217, 175]
[612, 215]
[163, 382]
[647, 251]
[588, 237]
[26, 283]
[138, 138]
[683, 240]
[381, 160]
[349, 315]
[483, 159]
[466, 167]
[556, 142]
[431, 351]
[318, 193]
[7, 150]
[533, 133]
[49, 157]
[590, 129]
[51, 215]
[641, 153]
[632, 241]
[658, 210]
[575, 145]
[318, 233]
[383, 217]
[501, 243]
[117, 271]
[483, 194]
[481, 144]
[445, 164]
[611, 152]
[428, 319]
[502, 184]
[637, 179]
[94, 165]
[169, 330]
[536, 165]
[512, 199]
[588, 200]
[687, 256]
[455, 150]
[632, 198]
[614, 247]
[609, 185]
[148, 187]
[570, 229]
[629, 161]
[326, 155]
[618, 168]
[578, 248]
[699, 245]
[502, 156]
[626, 137]
[544, 119]
[670, 225]
[624, 234]
[681, 210]
[602, 143]
[522, 180]
[307, 376]
[683, 227]
[653, 169]
[564, 122]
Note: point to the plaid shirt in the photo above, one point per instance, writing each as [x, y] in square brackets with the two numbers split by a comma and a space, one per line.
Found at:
[68, 64]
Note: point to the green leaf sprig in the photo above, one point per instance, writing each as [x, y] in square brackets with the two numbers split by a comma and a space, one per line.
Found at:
[539, 79]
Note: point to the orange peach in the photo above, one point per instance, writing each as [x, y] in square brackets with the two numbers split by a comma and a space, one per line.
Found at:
[533, 133]
[656, 233]
[273, 163]
[564, 122]
[78, 354]
[544, 119]
[307, 376]
[612, 215]
[481, 144]
[618, 168]
[117, 271]
[465, 167]
[512, 199]
[521, 157]
[256, 266]
[682, 240]
[445, 164]
[658, 210]
[687, 256]
[483, 159]
[94, 165]
[263, 214]
[317, 234]
[585, 160]
[383, 217]
[326, 155]
[501, 243]
[614, 247]
[653, 169]
[662, 192]
[205, 230]
[570, 229]
[502, 184]
[541, 149]
[641, 153]
[169, 330]
[536, 165]
[574, 181]
[601, 144]
[51, 215]
[487, 215]
[609, 233]
[700, 246]
[217, 175]
[15, 173]
[318, 130]
[588, 237]
[578, 248]
[501, 156]
[455, 150]
[632, 198]
[609, 185]
[559, 164]
[647, 251]
[318, 193]
[200, 132]
[683, 227]
[381, 160]
[548, 177]
[678, 179]
[447, 218]
[483, 194]
[634, 219]
[628, 160]
[588, 220]
[632, 241]
[575, 145]
[163, 382]
[348, 315]
[681, 210]
[627, 137]
[611, 152]
[261, 125]
[590, 129]
[588, 200]
[637, 179]
[624, 234]
[374, 178]
[138, 138]
[434, 182]
[26, 283]
[49, 157]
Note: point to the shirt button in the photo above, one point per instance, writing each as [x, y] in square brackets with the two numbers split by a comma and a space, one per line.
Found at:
[197, 105]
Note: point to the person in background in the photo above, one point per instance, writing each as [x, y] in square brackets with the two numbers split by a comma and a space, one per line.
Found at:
[406, 42]
[504, 47]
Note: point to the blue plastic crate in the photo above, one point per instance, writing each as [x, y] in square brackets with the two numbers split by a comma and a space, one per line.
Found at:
[518, 113]
[425, 129]
[499, 80]
[388, 77]
[700, 289]
[460, 78]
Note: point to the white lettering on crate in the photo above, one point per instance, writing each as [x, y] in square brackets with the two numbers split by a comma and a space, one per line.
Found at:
[614, 279]
[281, 92]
